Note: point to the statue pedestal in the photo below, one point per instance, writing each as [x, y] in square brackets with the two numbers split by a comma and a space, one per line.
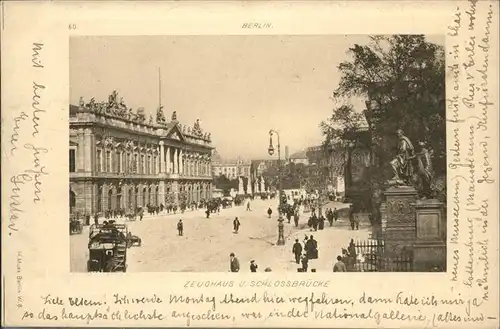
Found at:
[399, 220]
[430, 246]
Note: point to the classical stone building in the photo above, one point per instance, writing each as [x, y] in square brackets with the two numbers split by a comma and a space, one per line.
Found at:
[232, 169]
[118, 159]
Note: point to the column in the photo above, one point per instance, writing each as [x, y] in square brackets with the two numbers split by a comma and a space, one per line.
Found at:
[167, 160]
[181, 165]
[80, 151]
[176, 164]
[157, 163]
[87, 152]
[161, 162]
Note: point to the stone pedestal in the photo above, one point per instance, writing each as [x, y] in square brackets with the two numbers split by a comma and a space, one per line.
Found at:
[399, 220]
[430, 246]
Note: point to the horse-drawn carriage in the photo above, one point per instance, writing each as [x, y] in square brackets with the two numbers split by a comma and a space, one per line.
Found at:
[75, 225]
[108, 245]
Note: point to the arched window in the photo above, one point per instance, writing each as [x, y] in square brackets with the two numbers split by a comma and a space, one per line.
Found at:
[72, 201]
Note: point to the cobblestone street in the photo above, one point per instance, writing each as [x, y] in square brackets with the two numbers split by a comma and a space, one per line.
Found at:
[207, 243]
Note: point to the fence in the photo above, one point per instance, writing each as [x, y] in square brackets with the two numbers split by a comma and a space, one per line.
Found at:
[369, 257]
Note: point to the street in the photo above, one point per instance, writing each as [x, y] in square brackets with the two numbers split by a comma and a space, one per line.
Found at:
[207, 243]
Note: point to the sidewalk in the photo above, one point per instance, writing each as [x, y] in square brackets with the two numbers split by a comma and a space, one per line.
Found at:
[331, 240]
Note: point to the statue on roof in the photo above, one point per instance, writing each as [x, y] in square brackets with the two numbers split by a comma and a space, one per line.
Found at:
[91, 104]
[160, 117]
[189, 130]
[122, 104]
[150, 120]
[140, 116]
[197, 128]
[81, 102]
[112, 98]
[174, 116]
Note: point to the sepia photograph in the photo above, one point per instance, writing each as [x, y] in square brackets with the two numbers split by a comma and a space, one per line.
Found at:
[257, 153]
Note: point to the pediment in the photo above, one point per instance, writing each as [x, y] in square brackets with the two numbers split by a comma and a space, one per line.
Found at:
[176, 134]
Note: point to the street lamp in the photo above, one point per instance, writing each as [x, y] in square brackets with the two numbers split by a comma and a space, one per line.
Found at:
[281, 237]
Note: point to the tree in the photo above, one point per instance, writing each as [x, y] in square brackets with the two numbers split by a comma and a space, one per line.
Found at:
[402, 77]
[225, 184]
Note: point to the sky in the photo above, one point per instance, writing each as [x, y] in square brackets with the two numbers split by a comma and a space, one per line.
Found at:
[239, 87]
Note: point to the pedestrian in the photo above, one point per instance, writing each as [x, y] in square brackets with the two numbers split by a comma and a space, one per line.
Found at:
[311, 248]
[297, 250]
[180, 227]
[253, 266]
[236, 224]
[356, 222]
[315, 222]
[296, 218]
[305, 262]
[207, 212]
[269, 211]
[339, 266]
[248, 206]
[335, 214]
[321, 222]
[351, 216]
[234, 263]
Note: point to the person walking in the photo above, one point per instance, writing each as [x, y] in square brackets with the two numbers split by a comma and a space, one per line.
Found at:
[297, 250]
[234, 263]
[296, 218]
[351, 217]
[180, 227]
[335, 214]
[339, 265]
[236, 224]
[305, 262]
[253, 266]
[207, 212]
[311, 248]
[321, 222]
[248, 206]
[269, 212]
[315, 222]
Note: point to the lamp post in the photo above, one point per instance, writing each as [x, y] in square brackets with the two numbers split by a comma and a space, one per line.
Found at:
[281, 237]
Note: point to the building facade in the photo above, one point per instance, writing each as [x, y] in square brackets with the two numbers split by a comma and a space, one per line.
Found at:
[331, 164]
[119, 160]
[231, 169]
[299, 157]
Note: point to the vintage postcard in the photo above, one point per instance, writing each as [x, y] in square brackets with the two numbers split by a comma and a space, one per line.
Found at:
[250, 164]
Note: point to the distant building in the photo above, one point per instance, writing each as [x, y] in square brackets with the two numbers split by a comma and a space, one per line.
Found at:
[230, 168]
[259, 167]
[330, 164]
[299, 157]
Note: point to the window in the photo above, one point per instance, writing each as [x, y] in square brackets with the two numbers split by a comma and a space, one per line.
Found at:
[108, 161]
[154, 164]
[136, 159]
[119, 162]
[98, 161]
[148, 165]
[141, 165]
[72, 163]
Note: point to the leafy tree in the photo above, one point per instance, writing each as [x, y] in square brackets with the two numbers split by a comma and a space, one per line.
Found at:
[225, 184]
[402, 77]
